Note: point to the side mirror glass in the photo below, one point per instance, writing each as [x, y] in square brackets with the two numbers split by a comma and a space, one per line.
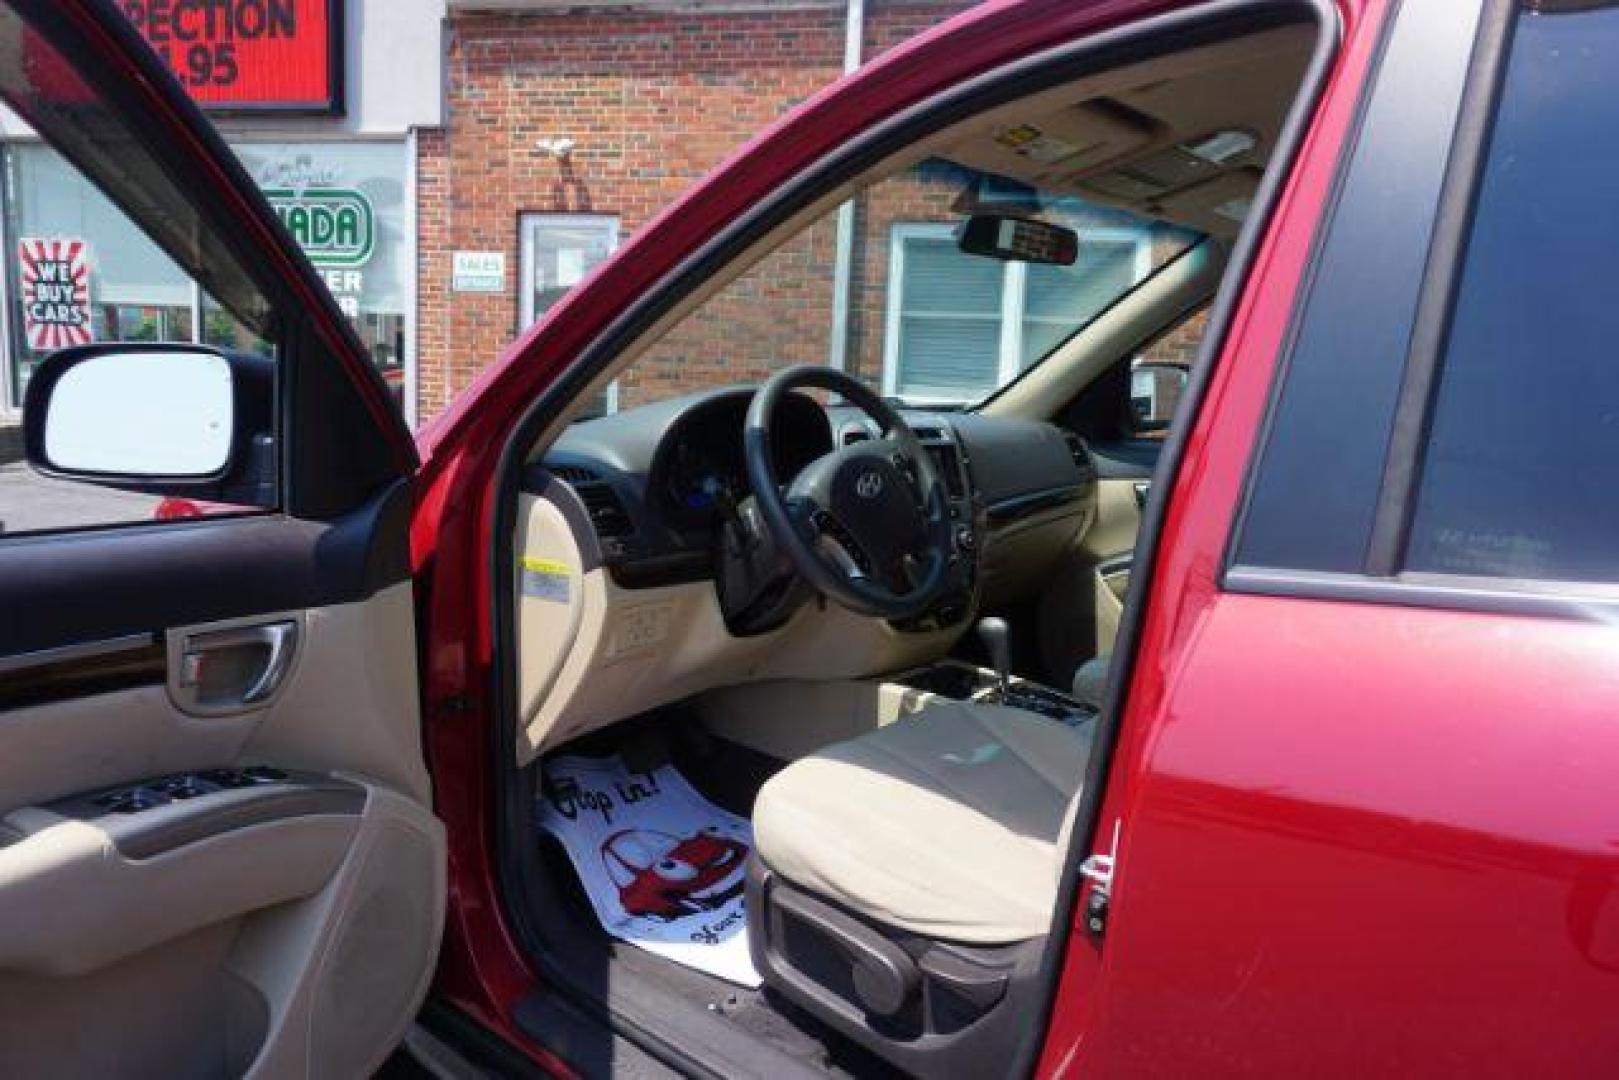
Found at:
[1015, 239]
[114, 413]
[1155, 390]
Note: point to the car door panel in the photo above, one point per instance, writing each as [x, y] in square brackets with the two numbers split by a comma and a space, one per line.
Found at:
[218, 854]
[332, 877]
[95, 585]
[288, 947]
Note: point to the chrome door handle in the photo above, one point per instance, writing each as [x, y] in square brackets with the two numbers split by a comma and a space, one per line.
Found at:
[226, 671]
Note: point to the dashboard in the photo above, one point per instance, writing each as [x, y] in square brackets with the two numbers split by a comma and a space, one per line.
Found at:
[622, 602]
[700, 465]
[655, 480]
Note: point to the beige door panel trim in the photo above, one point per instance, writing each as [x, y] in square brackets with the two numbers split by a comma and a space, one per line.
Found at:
[295, 948]
[349, 702]
[1118, 520]
[71, 902]
[173, 1011]
[352, 701]
[51, 751]
[344, 972]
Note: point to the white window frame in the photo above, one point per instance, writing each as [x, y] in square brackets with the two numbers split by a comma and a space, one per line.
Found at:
[527, 225]
[1013, 291]
[10, 411]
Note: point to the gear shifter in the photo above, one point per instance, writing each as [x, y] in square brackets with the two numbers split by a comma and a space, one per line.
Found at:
[997, 639]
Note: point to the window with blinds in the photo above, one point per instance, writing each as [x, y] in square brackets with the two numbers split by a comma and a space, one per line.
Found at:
[961, 325]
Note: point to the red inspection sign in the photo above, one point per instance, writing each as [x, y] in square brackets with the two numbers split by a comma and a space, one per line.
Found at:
[249, 55]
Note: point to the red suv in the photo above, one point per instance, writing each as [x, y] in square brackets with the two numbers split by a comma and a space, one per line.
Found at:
[1092, 708]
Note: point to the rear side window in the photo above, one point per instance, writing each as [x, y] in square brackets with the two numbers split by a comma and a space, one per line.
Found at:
[1456, 431]
[1311, 506]
[1520, 471]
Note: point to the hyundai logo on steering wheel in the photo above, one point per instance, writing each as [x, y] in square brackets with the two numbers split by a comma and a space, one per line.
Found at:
[869, 485]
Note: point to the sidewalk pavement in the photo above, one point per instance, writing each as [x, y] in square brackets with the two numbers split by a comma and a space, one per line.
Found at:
[30, 502]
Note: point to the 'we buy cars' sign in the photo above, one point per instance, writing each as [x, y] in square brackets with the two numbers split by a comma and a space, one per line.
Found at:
[55, 275]
[249, 55]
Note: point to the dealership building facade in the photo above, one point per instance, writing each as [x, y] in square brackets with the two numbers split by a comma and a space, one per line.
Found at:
[453, 166]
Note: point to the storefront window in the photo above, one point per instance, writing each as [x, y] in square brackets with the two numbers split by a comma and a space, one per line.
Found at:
[222, 330]
[119, 285]
[557, 251]
[345, 203]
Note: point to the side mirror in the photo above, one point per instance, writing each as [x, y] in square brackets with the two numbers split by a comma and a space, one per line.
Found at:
[1015, 239]
[165, 419]
[1155, 390]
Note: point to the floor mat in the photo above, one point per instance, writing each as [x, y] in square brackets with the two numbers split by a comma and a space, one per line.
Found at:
[663, 867]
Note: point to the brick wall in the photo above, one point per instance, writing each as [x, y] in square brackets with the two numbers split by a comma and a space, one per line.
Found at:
[1179, 346]
[653, 101]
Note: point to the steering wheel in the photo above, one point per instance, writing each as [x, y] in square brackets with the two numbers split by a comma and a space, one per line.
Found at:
[867, 524]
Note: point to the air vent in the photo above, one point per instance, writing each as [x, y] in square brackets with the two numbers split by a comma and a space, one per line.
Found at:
[606, 512]
[1081, 454]
[928, 434]
[856, 435]
[946, 460]
[573, 474]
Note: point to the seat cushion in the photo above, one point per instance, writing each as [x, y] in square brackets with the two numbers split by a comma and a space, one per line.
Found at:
[947, 823]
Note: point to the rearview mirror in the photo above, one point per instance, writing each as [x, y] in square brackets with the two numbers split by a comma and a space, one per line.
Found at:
[1155, 390]
[1015, 239]
[132, 415]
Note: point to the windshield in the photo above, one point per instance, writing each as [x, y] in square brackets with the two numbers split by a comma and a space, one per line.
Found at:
[883, 289]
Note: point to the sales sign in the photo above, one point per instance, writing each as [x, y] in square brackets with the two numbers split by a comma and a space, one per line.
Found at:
[55, 277]
[249, 55]
[478, 271]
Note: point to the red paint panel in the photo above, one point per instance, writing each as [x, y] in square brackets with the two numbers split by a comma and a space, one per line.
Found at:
[245, 54]
[1358, 839]
[1201, 509]
[1371, 840]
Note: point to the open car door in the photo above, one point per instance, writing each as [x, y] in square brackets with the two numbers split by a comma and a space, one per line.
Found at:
[217, 852]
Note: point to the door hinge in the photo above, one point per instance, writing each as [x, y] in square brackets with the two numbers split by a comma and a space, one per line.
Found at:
[1098, 870]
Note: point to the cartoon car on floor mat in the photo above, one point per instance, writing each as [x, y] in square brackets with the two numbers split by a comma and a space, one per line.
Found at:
[662, 876]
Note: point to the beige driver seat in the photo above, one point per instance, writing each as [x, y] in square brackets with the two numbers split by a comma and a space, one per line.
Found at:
[950, 824]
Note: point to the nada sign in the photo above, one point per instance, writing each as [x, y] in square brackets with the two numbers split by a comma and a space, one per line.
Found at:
[249, 55]
[55, 292]
[336, 227]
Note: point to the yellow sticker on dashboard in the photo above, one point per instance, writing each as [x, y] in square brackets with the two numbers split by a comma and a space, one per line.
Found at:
[545, 579]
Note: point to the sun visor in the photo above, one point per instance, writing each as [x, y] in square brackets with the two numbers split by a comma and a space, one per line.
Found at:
[1217, 206]
[1075, 139]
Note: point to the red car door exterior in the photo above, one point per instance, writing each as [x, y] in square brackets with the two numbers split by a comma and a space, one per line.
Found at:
[1364, 799]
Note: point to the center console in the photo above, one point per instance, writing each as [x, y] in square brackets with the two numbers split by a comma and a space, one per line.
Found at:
[965, 682]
